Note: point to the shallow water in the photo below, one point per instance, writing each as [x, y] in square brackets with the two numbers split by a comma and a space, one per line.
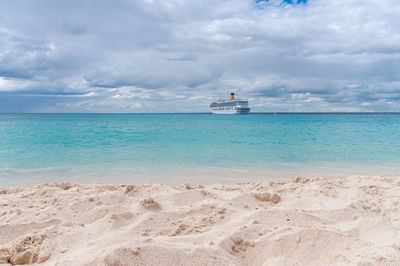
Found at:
[176, 148]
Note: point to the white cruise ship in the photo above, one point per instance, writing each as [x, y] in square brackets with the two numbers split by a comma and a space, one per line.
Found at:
[230, 107]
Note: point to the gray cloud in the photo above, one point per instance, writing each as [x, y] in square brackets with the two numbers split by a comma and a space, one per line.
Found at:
[166, 56]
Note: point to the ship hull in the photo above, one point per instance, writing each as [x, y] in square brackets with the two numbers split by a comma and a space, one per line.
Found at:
[243, 111]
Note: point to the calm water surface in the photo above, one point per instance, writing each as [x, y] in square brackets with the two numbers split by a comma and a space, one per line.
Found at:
[176, 148]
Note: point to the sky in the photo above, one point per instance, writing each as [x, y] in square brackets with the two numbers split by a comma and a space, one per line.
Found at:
[179, 55]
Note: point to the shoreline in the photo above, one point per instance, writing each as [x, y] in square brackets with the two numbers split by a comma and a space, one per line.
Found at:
[308, 221]
[174, 175]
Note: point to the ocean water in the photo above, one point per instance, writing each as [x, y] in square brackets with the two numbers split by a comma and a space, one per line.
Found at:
[201, 148]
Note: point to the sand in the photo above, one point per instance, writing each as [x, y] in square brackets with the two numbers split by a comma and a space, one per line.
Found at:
[303, 221]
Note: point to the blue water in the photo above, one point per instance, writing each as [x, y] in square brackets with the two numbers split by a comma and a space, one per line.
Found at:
[173, 148]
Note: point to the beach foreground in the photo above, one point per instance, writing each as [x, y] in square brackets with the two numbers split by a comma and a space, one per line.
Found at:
[303, 221]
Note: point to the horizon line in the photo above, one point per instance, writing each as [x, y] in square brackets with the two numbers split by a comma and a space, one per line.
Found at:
[145, 113]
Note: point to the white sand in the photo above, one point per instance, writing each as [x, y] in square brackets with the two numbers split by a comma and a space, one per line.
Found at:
[354, 220]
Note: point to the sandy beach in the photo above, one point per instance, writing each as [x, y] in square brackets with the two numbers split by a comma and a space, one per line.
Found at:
[302, 221]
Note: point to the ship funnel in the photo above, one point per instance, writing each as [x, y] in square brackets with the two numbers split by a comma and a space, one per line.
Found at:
[232, 96]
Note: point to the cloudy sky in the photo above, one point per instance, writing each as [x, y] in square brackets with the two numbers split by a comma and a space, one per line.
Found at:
[179, 55]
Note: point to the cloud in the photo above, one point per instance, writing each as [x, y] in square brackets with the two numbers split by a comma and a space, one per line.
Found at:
[166, 56]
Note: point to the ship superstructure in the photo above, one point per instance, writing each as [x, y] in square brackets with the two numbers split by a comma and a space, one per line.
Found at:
[230, 107]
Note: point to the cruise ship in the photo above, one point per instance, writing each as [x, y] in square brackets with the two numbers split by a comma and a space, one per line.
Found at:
[230, 107]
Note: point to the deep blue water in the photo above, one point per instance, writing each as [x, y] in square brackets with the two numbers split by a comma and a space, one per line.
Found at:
[156, 147]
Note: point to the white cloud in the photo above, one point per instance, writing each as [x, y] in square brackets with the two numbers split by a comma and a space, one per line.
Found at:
[13, 84]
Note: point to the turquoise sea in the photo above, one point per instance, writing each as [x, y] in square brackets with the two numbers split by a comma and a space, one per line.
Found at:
[200, 148]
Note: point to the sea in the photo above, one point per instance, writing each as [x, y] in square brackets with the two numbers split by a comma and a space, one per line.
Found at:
[195, 148]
